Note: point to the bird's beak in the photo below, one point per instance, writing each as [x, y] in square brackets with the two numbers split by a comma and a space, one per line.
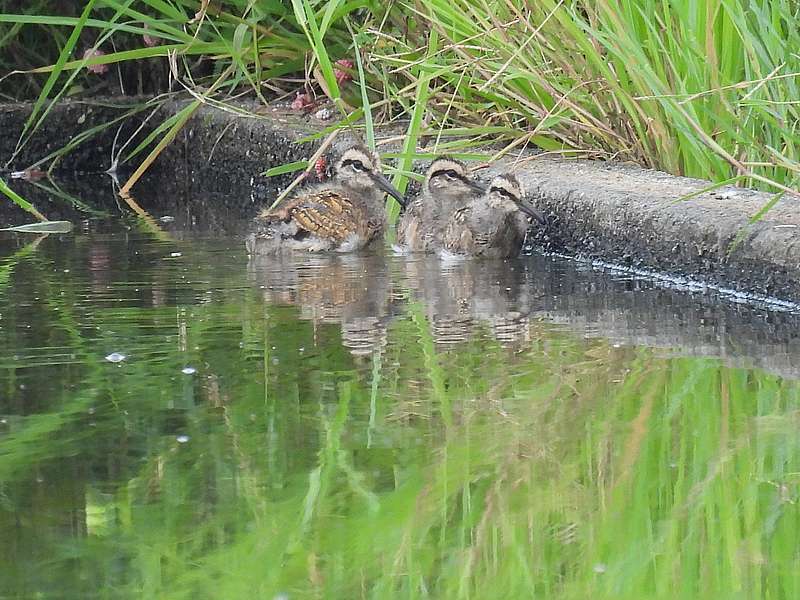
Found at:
[387, 187]
[531, 212]
[475, 186]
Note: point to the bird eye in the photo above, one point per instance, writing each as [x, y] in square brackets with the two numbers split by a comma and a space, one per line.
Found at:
[358, 166]
[503, 192]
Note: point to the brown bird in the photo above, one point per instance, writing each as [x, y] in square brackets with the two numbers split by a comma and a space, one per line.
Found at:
[491, 225]
[342, 215]
[447, 187]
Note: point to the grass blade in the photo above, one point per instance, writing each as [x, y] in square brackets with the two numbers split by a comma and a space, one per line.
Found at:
[184, 115]
[20, 201]
[66, 51]
[400, 180]
[307, 19]
[365, 104]
[42, 227]
[287, 168]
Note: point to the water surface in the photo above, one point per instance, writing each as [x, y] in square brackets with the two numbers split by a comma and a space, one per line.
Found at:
[177, 421]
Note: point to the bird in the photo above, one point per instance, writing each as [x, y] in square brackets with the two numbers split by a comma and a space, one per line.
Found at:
[447, 187]
[491, 225]
[342, 215]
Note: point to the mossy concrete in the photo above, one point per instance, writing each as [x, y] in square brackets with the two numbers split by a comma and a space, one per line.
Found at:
[613, 212]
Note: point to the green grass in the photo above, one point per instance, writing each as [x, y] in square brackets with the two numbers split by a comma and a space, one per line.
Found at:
[704, 89]
[19, 200]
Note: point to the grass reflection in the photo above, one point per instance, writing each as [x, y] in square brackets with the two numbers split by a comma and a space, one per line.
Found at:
[292, 464]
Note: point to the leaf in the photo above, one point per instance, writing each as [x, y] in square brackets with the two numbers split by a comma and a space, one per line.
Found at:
[239, 37]
[365, 104]
[414, 127]
[287, 168]
[185, 115]
[20, 201]
[66, 51]
[43, 227]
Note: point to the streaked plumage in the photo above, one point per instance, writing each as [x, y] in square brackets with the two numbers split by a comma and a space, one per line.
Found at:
[342, 215]
[447, 187]
[491, 225]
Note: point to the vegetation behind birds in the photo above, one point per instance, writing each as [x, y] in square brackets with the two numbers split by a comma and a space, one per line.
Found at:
[675, 86]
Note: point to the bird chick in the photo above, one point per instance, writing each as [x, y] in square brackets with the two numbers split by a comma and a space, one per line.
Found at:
[343, 214]
[447, 187]
[491, 225]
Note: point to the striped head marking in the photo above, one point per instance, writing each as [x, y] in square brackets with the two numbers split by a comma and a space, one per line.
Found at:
[450, 176]
[505, 191]
[358, 159]
[360, 169]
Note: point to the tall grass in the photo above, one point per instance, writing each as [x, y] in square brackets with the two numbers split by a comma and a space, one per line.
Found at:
[705, 89]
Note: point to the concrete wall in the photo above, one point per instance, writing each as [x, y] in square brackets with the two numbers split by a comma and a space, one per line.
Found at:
[618, 213]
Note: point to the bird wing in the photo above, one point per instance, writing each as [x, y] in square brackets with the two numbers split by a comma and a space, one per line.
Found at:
[408, 230]
[326, 213]
[458, 236]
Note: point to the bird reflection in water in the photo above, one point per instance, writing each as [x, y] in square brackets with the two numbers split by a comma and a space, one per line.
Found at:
[351, 290]
[462, 298]
[363, 293]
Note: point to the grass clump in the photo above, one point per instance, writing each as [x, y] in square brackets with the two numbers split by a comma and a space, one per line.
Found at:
[694, 88]
[697, 89]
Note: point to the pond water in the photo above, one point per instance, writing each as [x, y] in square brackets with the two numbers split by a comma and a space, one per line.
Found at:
[177, 421]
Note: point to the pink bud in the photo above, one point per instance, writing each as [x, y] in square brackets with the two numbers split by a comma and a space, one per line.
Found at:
[343, 76]
[302, 101]
[320, 167]
[98, 69]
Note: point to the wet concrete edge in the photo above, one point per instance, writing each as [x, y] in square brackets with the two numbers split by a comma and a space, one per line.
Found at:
[613, 212]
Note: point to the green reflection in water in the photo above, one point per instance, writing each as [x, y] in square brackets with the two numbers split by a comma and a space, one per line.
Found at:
[368, 428]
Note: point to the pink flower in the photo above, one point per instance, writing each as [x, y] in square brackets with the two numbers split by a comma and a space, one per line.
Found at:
[149, 40]
[302, 101]
[321, 168]
[343, 76]
[98, 69]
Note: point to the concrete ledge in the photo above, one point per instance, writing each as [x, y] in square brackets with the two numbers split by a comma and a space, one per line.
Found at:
[634, 217]
[618, 213]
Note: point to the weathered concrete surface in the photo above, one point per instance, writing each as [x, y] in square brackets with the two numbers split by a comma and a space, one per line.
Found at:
[619, 213]
[635, 217]
[217, 151]
[65, 121]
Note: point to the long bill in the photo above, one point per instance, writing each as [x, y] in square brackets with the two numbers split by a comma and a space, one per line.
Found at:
[476, 186]
[387, 187]
[531, 212]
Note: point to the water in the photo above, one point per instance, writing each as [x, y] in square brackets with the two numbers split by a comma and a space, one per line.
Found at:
[179, 422]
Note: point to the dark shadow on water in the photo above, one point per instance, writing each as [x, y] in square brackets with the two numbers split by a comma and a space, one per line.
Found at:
[363, 293]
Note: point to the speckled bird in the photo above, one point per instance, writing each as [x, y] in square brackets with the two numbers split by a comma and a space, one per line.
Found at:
[492, 225]
[447, 187]
[343, 214]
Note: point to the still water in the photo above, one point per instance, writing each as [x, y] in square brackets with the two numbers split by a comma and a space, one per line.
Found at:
[177, 421]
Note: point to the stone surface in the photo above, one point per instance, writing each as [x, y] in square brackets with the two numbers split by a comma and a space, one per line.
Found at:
[617, 213]
[638, 218]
